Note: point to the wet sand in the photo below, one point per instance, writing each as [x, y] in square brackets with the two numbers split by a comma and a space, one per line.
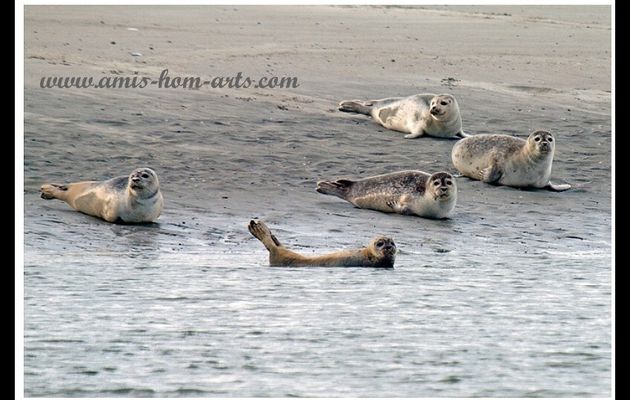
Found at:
[226, 155]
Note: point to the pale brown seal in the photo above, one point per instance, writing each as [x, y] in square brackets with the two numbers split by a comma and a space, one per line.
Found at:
[380, 253]
[126, 199]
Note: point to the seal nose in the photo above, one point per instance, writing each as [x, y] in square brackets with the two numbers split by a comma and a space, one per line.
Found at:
[433, 110]
[135, 178]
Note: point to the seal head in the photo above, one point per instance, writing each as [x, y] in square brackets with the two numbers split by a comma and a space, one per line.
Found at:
[441, 186]
[383, 246]
[443, 105]
[143, 182]
[541, 144]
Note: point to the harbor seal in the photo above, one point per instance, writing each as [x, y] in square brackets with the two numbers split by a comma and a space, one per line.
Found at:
[404, 192]
[380, 253]
[431, 114]
[508, 160]
[126, 199]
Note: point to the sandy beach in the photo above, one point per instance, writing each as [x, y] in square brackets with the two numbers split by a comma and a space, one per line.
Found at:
[264, 150]
[225, 156]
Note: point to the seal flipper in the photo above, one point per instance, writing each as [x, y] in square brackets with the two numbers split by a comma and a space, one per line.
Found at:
[356, 106]
[51, 191]
[414, 134]
[400, 206]
[491, 174]
[339, 188]
[461, 134]
[261, 232]
[557, 188]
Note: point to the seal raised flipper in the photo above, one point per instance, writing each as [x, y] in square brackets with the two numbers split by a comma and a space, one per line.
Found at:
[263, 233]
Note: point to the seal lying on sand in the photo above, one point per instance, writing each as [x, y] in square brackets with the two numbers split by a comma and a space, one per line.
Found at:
[380, 253]
[430, 114]
[133, 199]
[508, 160]
[403, 192]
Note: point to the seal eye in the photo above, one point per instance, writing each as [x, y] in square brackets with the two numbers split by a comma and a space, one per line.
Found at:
[436, 183]
[145, 175]
[537, 139]
[379, 243]
[443, 103]
[449, 183]
[550, 139]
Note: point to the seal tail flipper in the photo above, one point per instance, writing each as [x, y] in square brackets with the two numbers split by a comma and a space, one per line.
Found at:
[263, 233]
[462, 134]
[53, 191]
[557, 187]
[337, 188]
[356, 106]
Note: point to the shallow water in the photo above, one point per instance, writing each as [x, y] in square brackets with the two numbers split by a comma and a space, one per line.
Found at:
[136, 316]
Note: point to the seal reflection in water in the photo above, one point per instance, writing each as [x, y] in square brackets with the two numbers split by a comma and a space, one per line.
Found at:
[508, 160]
[380, 253]
[126, 199]
[404, 192]
[422, 114]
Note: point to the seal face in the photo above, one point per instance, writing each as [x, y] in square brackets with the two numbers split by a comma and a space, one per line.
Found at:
[383, 250]
[127, 199]
[508, 160]
[380, 253]
[431, 114]
[404, 192]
